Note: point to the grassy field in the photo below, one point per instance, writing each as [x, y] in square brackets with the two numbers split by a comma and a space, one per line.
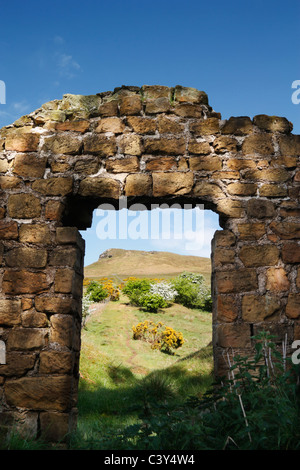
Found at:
[120, 376]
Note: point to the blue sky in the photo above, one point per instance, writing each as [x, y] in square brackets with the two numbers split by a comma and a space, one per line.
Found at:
[244, 55]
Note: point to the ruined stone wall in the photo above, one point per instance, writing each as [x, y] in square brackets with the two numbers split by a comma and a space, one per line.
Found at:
[151, 144]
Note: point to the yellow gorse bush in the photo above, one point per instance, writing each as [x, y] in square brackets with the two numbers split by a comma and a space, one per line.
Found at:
[158, 335]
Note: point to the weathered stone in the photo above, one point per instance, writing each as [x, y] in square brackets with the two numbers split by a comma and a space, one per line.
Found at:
[111, 124]
[272, 190]
[56, 362]
[188, 110]
[17, 364]
[34, 320]
[26, 339]
[167, 125]
[277, 280]
[251, 231]
[123, 165]
[190, 95]
[242, 189]
[100, 144]
[240, 280]
[10, 182]
[59, 167]
[272, 123]
[138, 185]
[54, 210]
[67, 282]
[225, 144]
[291, 253]
[152, 92]
[275, 175]
[205, 127]
[258, 144]
[261, 255]
[158, 105]
[99, 186]
[61, 256]
[60, 145]
[226, 175]
[241, 125]
[37, 234]
[62, 330]
[202, 189]
[131, 144]
[257, 308]
[3, 165]
[224, 238]
[293, 306]
[22, 139]
[29, 164]
[260, 209]
[222, 256]
[199, 148]
[164, 145]
[230, 208]
[36, 393]
[10, 311]
[205, 163]
[69, 235]
[172, 183]
[56, 427]
[227, 310]
[289, 145]
[8, 230]
[86, 166]
[142, 125]
[286, 230]
[161, 164]
[24, 206]
[110, 108]
[61, 305]
[75, 126]
[24, 282]
[240, 164]
[130, 105]
[26, 257]
[59, 186]
[233, 335]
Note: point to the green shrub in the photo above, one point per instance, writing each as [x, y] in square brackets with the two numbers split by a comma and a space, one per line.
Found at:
[135, 288]
[192, 291]
[152, 302]
[96, 291]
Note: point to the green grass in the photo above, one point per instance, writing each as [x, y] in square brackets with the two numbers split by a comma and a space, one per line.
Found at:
[119, 375]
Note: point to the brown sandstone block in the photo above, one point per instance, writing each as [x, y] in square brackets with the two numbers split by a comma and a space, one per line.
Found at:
[205, 163]
[290, 145]
[22, 139]
[55, 427]
[242, 189]
[286, 230]
[258, 144]
[59, 144]
[24, 282]
[164, 145]
[172, 183]
[75, 126]
[59, 305]
[205, 127]
[257, 308]
[272, 123]
[110, 124]
[251, 231]
[86, 166]
[199, 148]
[161, 164]
[272, 190]
[261, 255]
[190, 95]
[138, 185]
[100, 144]
[69, 235]
[109, 108]
[235, 335]
[34, 320]
[167, 125]
[35, 233]
[241, 125]
[67, 282]
[40, 393]
[224, 238]
[241, 280]
[291, 253]
[208, 189]
[62, 330]
[100, 187]
[231, 208]
[10, 312]
[123, 165]
[17, 363]
[131, 144]
[275, 175]
[227, 310]
[225, 144]
[222, 256]
[130, 105]
[158, 105]
[142, 125]
[56, 362]
[277, 280]
[26, 339]
[188, 110]
[69, 256]
[26, 257]
[260, 209]
[10, 182]
[8, 230]
[4, 165]
[24, 206]
[240, 164]
[29, 164]
[152, 92]
[293, 306]
[59, 186]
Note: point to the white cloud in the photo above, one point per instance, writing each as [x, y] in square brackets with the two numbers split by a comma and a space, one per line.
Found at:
[67, 66]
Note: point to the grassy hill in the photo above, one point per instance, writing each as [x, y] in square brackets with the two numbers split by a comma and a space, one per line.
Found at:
[124, 263]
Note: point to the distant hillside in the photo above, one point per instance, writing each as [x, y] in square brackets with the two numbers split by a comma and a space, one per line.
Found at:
[124, 263]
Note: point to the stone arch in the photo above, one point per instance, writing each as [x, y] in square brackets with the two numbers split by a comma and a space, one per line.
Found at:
[150, 144]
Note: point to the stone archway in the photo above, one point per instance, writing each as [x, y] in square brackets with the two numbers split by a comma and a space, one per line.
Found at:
[150, 144]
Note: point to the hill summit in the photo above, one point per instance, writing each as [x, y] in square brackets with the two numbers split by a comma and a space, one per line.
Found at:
[119, 262]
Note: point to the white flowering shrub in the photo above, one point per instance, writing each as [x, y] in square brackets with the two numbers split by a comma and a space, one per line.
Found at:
[86, 303]
[165, 290]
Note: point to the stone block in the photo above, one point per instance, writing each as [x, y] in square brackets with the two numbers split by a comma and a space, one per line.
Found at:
[26, 257]
[22, 139]
[275, 175]
[164, 145]
[272, 190]
[260, 144]
[291, 253]
[10, 182]
[138, 185]
[259, 255]
[277, 280]
[54, 210]
[10, 312]
[242, 189]
[233, 335]
[272, 123]
[241, 125]
[199, 148]
[161, 164]
[55, 427]
[222, 256]
[56, 362]
[240, 164]
[167, 125]
[24, 282]
[86, 166]
[172, 183]
[111, 124]
[59, 186]
[35, 233]
[205, 163]
[22, 339]
[188, 110]
[24, 206]
[100, 186]
[62, 330]
[142, 125]
[230, 208]
[289, 145]
[239, 280]
[212, 190]
[224, 144]
[81, 126]
[34, 320]
[66, 257]
[29, 165]
[227, 310]
[190, 95]
[224, 238]
[251, 231]
[131, 144]
[40, 393]
[59, 144]
[260, 209]
[293, 306]
[51, 305]
[286, 230]
[209, 126]
[130, 105]
[17, 363]
[8, 230]
[100, 144]
[258, 308]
